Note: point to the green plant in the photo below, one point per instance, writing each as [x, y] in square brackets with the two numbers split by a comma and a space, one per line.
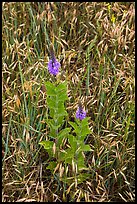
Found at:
[62, 146]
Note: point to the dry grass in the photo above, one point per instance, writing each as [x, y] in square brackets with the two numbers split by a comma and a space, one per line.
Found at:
[95, 43]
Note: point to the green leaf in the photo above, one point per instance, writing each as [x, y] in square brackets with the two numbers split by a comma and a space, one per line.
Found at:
[81, 128]
[67, 155]
[52, 165]
[62, 156]
[50, 85]
[53, 133]
[52, 124]
[83, 122]
[61, 92]
[51, 112]
[68, 161]
[81, 163]
[59, 106]
[46, 144]
[85, 148]
[75, 126]
[73, 142]
[70, 153]
[50, 89]
[51, 102]
[60, 112]
[63, 134]
[60, 119]
[62, 97]
[64, 131]
[85, 131]
[62, 87]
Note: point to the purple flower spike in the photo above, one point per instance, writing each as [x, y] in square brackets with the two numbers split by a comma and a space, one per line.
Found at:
[80, 113]
[53, 66]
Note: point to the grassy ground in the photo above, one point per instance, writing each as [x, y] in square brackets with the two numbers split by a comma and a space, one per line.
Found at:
[94, 43]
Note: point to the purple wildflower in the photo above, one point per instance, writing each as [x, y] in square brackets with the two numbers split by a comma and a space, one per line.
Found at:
[53, 65]
[80, 113]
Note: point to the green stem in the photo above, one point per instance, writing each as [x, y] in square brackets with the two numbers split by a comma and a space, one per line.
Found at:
[56, 123]
[76, 172]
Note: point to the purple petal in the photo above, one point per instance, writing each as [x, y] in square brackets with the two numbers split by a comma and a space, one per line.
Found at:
[53, 66]
[80, 114]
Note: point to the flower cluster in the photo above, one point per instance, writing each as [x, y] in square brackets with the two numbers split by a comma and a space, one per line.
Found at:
[80, 113]
[53, 66]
